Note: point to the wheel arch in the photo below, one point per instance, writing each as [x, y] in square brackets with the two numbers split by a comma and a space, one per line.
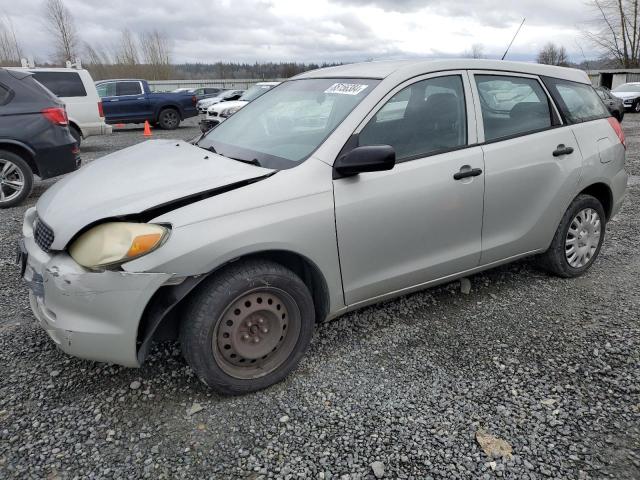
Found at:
[166, 106]
[602, 192]
[73, 124]
[24, 151]
[162, 316]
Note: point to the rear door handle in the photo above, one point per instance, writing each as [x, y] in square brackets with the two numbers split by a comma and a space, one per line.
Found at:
[466, 172]
[562, 150]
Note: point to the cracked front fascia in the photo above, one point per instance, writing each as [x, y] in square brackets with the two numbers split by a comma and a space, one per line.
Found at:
[91, 283]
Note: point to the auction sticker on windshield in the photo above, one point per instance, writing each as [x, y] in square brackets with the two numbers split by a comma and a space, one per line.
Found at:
[346, 88]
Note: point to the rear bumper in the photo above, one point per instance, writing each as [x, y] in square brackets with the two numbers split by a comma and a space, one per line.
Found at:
[619, 188]
[54, 161]
[93, 129]
[90, 315]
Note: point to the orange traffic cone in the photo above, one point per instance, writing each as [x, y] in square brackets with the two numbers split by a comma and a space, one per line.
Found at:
[147, 129]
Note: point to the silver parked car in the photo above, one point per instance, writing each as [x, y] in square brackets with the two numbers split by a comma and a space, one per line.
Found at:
[337, 189]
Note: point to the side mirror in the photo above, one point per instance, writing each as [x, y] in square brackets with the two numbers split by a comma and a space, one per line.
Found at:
[370, 158]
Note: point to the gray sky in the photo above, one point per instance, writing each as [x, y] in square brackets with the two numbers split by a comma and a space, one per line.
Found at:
[317, 30]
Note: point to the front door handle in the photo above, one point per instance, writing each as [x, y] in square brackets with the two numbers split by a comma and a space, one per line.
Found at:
[466, 172]
[562, 150]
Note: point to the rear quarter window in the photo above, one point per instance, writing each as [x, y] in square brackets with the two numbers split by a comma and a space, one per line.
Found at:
[62, 84]
[578, 102]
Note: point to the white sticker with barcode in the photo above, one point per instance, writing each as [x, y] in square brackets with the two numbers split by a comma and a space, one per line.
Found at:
[346, 88]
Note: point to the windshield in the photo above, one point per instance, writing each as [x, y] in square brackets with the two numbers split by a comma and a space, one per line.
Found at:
[627, 87]
[281, 129]
[254, 92]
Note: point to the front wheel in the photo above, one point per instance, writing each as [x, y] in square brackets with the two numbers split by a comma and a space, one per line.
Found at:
[16, 179]
[247, 327]
[169, 119]
[636, 107]
[578, 239]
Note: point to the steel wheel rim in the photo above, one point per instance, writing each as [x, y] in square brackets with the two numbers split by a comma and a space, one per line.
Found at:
[170, 119]
[241, 346]
[637, 107]
[11, 180]
[583, 238]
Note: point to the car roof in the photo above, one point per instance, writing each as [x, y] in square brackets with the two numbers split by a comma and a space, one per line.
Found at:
[119, 80]
[410, 68]
[51, 69]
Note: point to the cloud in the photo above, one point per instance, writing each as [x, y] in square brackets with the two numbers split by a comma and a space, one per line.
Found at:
[322, 30]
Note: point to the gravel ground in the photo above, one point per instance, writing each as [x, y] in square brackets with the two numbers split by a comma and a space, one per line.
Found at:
[407, 389]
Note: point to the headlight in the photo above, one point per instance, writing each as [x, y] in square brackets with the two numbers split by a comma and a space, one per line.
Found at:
[116, 242]
[227, 112]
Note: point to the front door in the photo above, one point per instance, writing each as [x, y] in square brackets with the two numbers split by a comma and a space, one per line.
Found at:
[416, 223]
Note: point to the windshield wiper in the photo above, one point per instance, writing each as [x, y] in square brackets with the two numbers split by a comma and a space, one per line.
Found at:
[255, 161]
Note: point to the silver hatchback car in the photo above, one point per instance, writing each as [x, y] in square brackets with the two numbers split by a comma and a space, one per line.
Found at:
[339, 188]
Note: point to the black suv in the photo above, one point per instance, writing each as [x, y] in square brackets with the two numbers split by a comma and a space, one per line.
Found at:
[34, 136]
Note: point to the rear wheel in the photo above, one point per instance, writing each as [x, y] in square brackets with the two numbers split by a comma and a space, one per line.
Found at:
[578, 239]
[248, 327]
[16, 179]
[169, 119]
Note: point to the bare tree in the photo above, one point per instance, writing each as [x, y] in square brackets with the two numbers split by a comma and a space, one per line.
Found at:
[477, 51]
[59, 22]
[156, 54]
[10, 51]
[552, 54]
[128, 50]
[617, 30]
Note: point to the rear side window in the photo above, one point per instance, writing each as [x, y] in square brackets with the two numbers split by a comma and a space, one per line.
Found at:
[578, 102]
[5, 93]
[128, 88]
[424, 118]
[106, 89]
[62, 84]
[512, 106]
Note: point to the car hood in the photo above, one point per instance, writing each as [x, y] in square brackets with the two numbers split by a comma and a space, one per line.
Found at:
[135, 180]
[218, 107]
[625, 95]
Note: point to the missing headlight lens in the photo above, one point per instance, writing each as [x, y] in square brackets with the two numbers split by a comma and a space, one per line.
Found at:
[116, 242]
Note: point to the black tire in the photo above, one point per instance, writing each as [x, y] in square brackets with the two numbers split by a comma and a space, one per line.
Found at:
[212, 315]
[8, 195]
[75, 133]
[169, 119]
[555, 259]
[636, 107]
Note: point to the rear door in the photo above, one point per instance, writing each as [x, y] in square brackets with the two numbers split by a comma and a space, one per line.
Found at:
[532, 164]
[130, 101]
[415, 223]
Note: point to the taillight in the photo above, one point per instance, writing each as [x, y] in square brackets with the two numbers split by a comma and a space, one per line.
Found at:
[615, 124]
[100, 110]
[57, 115]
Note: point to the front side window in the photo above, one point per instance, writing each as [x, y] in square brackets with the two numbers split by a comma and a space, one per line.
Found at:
[577, 101]
[128, 88]
[281, 128]
[424, 118]
[62, 84]
[512, 106]
[106, 89]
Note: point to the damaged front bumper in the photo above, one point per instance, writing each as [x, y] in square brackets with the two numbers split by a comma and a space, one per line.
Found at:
[91, 315]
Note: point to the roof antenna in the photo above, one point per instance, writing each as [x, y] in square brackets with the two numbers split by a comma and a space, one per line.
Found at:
[513, 39]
